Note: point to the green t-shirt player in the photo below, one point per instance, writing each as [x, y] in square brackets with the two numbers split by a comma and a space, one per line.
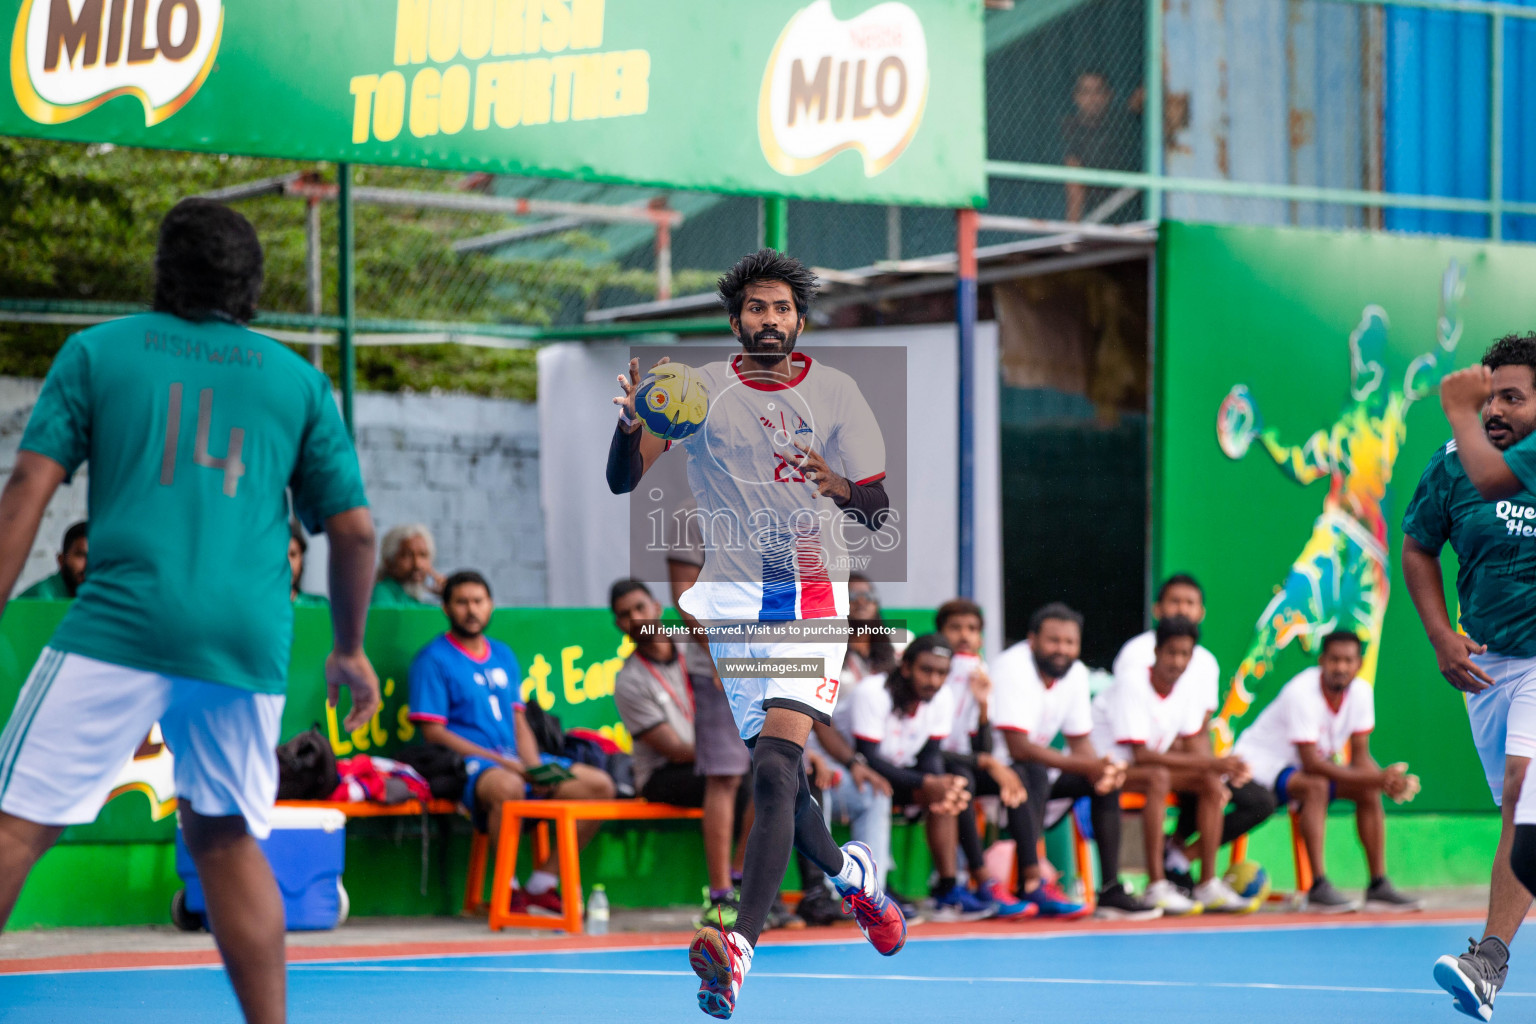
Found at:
[1479, 495]
[196, 430]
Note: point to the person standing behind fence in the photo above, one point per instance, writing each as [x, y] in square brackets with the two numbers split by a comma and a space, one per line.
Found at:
[198, 432]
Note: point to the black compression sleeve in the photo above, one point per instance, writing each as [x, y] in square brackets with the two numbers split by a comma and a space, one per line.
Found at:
[625, 465]
[930, 760]
[867, 504]
[905, 778]
[981, 739]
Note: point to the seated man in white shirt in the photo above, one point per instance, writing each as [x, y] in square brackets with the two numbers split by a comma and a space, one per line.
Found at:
[975, 752]
[1040, 691]
[1295, 746]
[1153, 719]
[899, 720]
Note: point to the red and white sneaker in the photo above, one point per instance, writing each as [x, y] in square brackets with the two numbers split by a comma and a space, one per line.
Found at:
[545, 904]
[879, 918]
[721, 961]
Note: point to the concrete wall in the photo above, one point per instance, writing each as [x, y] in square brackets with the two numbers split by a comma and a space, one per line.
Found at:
[467, 467]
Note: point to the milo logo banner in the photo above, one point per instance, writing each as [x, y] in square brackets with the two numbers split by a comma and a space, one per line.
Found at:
[828, 101]
[1296, 409]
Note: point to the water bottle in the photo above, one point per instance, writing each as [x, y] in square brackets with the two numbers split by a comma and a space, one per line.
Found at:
[597, 911]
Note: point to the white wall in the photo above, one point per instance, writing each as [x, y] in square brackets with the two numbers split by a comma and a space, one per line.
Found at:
[467, 467]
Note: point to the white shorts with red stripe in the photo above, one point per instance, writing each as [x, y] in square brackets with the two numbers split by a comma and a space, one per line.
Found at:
[811, 692]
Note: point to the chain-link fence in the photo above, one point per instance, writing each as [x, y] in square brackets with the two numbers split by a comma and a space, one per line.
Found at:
[1322, 113]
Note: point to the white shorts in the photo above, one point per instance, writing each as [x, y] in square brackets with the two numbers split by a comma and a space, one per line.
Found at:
[750, 697]
[1503, 720]
[79, 720]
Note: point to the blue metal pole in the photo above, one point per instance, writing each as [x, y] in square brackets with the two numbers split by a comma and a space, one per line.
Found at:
[965, 327]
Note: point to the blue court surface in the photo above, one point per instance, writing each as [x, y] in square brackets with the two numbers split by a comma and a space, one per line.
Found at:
[1248, 973]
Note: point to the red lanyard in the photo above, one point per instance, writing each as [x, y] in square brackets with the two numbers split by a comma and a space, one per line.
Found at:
[687, 711]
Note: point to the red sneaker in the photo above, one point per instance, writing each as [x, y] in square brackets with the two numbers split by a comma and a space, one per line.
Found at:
[720, 967]
[545, 904]
[879, 918]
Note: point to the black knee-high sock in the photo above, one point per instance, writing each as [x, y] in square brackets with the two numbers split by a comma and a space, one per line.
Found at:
[812, 840]
[777, 775]
[1522, 856]
[1104, 810]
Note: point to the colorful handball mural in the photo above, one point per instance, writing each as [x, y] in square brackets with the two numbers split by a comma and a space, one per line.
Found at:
[1318, 356]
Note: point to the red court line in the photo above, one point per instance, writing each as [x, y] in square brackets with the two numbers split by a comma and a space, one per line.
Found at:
[631, 940]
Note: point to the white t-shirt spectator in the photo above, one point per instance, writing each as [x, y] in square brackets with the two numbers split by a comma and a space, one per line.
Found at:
[1021, 702]
[1300, 714]
[1131, 713]
[1203, 674]
[967, 712]
[901, 737]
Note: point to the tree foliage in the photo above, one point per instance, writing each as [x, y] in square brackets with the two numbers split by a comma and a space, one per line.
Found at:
[78, 222]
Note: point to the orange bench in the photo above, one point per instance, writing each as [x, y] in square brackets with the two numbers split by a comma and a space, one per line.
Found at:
[563, 815]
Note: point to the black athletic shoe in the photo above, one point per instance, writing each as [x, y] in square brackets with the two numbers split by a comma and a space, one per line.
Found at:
[1475, 977]
[819, 907]
[1383, 898]
[1325, 899]
[780, 916]
[1117, 904]
[1182, 879]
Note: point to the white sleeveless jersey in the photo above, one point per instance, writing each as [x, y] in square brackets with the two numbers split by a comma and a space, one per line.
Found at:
[775, 551]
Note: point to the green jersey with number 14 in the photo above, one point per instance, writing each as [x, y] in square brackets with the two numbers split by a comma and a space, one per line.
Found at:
[194, 432]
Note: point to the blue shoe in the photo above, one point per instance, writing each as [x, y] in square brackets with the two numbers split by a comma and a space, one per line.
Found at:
[1007, 906]
[961, 904]
[1055, 903]
[879, 918]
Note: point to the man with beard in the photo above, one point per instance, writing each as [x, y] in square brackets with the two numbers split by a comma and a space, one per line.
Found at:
[1477, 494]
[789, 450]
[1040, 691]
[64, 584]
[465, 696]
[406, 577]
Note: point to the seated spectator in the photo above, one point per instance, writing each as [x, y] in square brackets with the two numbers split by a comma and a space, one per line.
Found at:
[405, 576]
[972, 751]
[297, 548]
[871, 651]
[1180, 595]
[64, 584]
[1153, 719]
[465, 696]
[662, 692]
[898, 722]
[1321, 714]
[1039, 692]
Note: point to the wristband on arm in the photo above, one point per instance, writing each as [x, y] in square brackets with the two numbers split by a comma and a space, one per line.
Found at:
[625, 464]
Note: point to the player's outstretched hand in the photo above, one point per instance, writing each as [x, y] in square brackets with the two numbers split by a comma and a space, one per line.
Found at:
[630, 382]
[1465, 391]
[827, 483]
[355, 673]
[1454, 653]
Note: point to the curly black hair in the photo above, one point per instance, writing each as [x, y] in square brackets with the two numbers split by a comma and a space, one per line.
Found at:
[208, 263]
[1167, 629]
[1512, 350]
[766, 265]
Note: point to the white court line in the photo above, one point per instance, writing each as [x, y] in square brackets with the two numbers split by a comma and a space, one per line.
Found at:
[947, 979]
[853, 940]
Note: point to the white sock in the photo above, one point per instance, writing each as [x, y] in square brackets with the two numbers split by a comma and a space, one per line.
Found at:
[1173, 857]
[743, 950]
[541, 882]
[851, 877]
